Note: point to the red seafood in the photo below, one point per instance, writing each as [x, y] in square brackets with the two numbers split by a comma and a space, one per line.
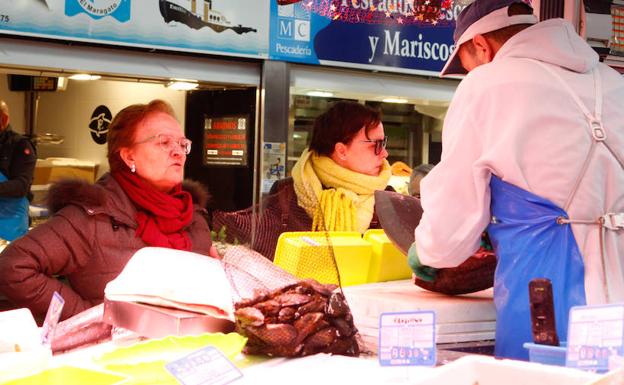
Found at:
[81, 330]
[286, 2]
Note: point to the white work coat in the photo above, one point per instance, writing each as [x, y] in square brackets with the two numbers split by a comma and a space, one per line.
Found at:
[511, 118]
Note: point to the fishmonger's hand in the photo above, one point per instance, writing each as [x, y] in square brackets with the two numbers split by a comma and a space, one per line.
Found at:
[426, 273]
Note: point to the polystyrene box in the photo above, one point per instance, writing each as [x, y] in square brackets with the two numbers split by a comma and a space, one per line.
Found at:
[21, 351]
[309, 255]
[470, 370]
[387, 262]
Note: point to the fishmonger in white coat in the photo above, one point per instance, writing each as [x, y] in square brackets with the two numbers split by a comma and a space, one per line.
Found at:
[533, 150]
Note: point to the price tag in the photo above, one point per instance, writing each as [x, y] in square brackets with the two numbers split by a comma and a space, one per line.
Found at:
[407, 339]
[52, 317]
[595, 333]
[207, 366]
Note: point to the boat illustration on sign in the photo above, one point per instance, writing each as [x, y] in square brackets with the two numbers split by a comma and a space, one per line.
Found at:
[187, 12]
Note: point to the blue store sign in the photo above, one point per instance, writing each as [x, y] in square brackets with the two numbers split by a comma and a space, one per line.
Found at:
[223, 27]
[414, 36]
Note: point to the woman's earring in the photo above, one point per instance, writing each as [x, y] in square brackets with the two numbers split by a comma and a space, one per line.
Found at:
[133, 168]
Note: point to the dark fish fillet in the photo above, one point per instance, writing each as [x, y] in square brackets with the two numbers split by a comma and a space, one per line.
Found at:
[399, 215]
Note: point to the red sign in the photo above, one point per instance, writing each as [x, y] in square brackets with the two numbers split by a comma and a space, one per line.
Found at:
[225, 140]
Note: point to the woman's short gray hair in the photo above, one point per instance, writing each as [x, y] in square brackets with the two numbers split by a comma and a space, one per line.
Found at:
[422, 169]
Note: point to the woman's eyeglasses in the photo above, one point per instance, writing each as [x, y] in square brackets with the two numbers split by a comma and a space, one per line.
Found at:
[168, 143]
[380, 144]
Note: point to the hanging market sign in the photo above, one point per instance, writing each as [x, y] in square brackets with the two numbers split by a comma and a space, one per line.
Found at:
[413, 36]
[226, 27]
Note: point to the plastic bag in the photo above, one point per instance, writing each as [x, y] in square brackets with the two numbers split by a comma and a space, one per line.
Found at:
[13, 216]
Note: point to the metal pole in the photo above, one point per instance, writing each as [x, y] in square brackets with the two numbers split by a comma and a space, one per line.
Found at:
[31, 108]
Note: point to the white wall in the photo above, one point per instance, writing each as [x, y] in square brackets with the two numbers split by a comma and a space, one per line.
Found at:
[67, 113]
[15, 101]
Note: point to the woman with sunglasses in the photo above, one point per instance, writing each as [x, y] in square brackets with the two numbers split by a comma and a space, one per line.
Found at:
[96, 228]
[332, 185]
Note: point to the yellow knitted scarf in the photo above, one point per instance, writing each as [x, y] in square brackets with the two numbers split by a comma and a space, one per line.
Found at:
[347, 203]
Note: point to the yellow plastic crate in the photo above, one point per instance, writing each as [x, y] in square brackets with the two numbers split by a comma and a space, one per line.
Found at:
[387, 262]
[309, 255]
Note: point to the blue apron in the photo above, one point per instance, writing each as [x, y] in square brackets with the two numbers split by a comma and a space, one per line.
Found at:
[529, 243]
[533, 238]
[13, 216]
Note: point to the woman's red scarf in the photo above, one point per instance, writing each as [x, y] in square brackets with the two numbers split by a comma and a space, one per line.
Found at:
[162, 217]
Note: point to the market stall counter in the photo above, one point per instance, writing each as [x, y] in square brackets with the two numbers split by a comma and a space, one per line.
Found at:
[131, 361]
[324, 323]
[462, 321]
[128, 358]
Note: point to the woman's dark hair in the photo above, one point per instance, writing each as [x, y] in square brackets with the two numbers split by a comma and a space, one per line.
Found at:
[122, 130]
[340, 124]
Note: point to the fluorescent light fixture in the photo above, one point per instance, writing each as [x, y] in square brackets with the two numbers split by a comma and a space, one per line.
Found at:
[394, 100]
[182, 85]
[85, 77]
[322, 94]
[61, 83]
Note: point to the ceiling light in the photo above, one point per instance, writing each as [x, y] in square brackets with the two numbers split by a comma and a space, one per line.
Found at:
[394, 100]
[182, 86]
[322, 94]
[85, 77]
[61, 83]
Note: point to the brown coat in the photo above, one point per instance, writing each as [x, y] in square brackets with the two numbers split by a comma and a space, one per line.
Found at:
[279, 212]
[88, 240]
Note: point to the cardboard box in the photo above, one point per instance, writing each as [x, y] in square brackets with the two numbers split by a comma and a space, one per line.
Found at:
[52, 169]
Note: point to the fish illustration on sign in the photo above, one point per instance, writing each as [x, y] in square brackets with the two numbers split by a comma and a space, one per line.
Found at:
[98, 9]
[198, 18]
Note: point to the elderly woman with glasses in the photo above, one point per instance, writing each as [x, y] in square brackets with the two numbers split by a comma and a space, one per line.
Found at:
[96, 228]
[332, 184]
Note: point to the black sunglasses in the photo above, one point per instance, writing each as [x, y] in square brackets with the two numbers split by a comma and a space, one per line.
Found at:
[380, 144]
